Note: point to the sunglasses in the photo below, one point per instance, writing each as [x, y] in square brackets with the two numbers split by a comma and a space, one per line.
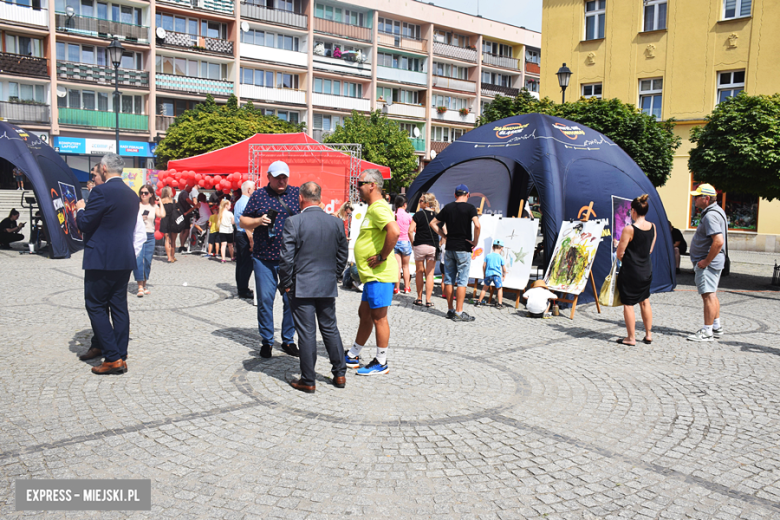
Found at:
[145, 193]
[363, 183]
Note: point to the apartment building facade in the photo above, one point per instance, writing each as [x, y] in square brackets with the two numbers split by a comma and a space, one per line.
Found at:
[673, 59]
[428, 68]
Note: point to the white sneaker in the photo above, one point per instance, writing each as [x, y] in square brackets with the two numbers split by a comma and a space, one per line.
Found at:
[718, 333]
[700, 335]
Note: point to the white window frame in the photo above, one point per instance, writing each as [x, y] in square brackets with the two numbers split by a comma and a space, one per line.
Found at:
[731, 85]
[532, 56]
[651, 93]
[593, 90]
[532, 82]
[739, 5]
[656, 5]
[600, 10]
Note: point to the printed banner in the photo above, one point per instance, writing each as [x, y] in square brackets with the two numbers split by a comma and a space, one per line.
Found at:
[621, 218]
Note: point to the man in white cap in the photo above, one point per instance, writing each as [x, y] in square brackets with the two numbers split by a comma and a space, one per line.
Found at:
[264, 216]
[709, 259]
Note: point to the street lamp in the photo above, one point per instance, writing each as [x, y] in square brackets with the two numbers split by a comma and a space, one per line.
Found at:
[115, 51]
[564, 74]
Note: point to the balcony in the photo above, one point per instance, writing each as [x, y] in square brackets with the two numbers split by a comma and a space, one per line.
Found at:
[258, 52]
[452, 51]
[25, 112]
[488, 89]
[162, 123]
[101, 75]
[419, 144]
[342, 30]
[501, 61]
[96, 119]
[395, 41]
[531, 67]
[25, 65]
[319, 135]
[454, 84]
[193, 85]
[438, 146]
[24, 15]
[404, 110]
[274, 16]
[342, 66]
[218, 6]
[344, 102]
[402, 76]
[453, 116]
[197, 43]
[273, 95]
[99, 28]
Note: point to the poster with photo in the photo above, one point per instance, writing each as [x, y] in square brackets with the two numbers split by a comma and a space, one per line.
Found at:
[69, 198]
[573, 256]
[621, 217]
[519, 238]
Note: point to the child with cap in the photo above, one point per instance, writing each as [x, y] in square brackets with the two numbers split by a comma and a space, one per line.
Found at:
[538, 297]
[494, 270]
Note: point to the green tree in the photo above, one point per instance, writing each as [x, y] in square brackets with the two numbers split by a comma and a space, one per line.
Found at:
[650, 143]
[209, 127]
[739, 148]
[383, 143]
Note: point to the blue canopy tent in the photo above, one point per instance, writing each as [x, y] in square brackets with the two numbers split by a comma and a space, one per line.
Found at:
[570, 165]
[56, 188]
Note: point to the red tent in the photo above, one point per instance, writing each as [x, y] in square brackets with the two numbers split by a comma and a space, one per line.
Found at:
[318, 163]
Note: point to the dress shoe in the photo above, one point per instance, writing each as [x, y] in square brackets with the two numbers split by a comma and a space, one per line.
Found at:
[296, 383]
[249, 295]
[340, 382]
[114, 367]
[92, 353]
[291, 349]
[265, 351]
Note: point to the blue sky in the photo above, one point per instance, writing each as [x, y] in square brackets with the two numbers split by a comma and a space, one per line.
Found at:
[523, 13]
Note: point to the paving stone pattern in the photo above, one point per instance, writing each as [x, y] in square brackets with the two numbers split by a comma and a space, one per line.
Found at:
[506, 417]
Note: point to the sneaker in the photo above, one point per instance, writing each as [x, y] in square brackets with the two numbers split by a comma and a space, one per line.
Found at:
[396, 290]
[450, 314]
[463, 317]
[265, 351]
[407, 290]
[700, 335]
[352, 362]
[717, 333]
[373, 369]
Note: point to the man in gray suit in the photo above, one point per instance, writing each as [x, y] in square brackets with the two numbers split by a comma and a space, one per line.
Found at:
[314, 253]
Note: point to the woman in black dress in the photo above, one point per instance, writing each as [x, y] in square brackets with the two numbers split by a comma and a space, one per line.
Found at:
[168, 225]
[636, 271]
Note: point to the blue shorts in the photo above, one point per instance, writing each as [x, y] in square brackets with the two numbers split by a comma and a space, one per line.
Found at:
[378, 294]
[493, 280]
[456, 268]
[403, 248]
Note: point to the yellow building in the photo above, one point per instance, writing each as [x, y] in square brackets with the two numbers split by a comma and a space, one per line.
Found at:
[672, 58]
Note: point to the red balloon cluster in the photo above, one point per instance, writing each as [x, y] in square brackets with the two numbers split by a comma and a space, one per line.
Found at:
[186, 180]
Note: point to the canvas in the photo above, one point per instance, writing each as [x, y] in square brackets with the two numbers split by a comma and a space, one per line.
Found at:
[488, 225]
[573, 256]
[519, 238]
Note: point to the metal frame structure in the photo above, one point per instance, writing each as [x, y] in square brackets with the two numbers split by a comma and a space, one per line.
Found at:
[313, 152]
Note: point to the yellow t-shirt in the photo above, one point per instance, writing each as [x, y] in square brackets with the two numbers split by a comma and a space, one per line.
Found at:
[370, 242]
[213, 224]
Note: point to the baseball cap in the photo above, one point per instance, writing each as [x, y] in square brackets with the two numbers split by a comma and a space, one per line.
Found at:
[705, 189]
[461, 188]
[278, 168]
[498, 243]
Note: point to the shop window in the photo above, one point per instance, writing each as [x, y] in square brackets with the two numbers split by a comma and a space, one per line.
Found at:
[741, 210]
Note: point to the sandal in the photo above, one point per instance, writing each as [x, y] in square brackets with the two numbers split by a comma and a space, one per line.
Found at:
[647, 341]
[140, 293]
[418, 302]
[147, 291]
[621, 342]
[429, 305]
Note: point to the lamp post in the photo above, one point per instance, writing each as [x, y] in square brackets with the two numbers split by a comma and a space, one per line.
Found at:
[564, 74]
[115, 51]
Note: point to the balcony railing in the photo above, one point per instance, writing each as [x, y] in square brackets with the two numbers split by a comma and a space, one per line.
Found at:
[198, 43]
[401, 109]
[101, 75]
[531, 67]
[488, 89]
[193, 85]
[501, 61]
[87, 26]
[25, 112]
[274, 16]
[273, 95]
[219, 6]
[344, 102]
[454, 84]
[419, 144]
[94, 118]
[452, 51]
[399, 42]
[438, 146]
[162, 123]
[402, 75]
[453, 116]
[259, 52]
[342, 30]
[342, 65]
[23, 14]
[26, 65]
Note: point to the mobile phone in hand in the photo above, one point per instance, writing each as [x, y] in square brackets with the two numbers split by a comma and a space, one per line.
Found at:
[272, 213]
[146, 212]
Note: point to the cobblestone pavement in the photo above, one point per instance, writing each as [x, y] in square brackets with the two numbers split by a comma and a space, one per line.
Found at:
[506, 417]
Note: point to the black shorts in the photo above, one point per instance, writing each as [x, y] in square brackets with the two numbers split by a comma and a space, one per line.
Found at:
[535, 315]
[226, 237]
[213, 238]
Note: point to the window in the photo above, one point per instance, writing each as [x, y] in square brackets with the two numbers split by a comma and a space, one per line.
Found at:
[101, 101]
[260, 78]
[452, 103]
[447, 135]
[408, 128]
[326, 122]
[532, 85]
[650, 97]
[24, 93]
[496, 49]
[338, 15]
[655, 15]
[192, 68]
[23, 45]
[327, 86]
[730, 84]
[594, 19]
[450, 38]
[592, 90]
[284, 115]
[398, 61]
[268, 39]
[532, 56]
[736, 8]
[394, 27]
[493, 78]
[449, 71]
[173, 107]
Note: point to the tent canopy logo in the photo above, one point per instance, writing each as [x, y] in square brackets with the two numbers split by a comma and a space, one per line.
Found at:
[569, 131]
[502, 132]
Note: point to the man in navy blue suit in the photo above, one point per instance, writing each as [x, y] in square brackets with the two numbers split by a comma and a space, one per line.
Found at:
[107, 223]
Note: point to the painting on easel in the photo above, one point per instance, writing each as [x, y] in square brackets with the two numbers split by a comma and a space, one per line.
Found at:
[573, 256]
[519, 238]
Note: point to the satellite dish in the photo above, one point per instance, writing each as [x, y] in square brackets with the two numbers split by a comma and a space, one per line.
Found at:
[160, 32]
[433, 154]
[61, 92]
[245, 26]
[416, 132]
[69, 11]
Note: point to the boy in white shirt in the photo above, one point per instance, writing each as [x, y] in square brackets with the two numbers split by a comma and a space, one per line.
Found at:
[539, 299]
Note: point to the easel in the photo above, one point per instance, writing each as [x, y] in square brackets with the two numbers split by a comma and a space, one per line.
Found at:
[590, 273]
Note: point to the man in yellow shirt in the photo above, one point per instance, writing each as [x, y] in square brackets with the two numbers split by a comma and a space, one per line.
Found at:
[378, 271]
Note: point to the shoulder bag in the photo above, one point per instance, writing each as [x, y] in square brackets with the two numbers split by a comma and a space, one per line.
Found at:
[727, 264]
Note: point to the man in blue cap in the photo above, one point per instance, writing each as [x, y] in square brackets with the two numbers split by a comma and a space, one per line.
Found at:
[457, 217]
[264, 215]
